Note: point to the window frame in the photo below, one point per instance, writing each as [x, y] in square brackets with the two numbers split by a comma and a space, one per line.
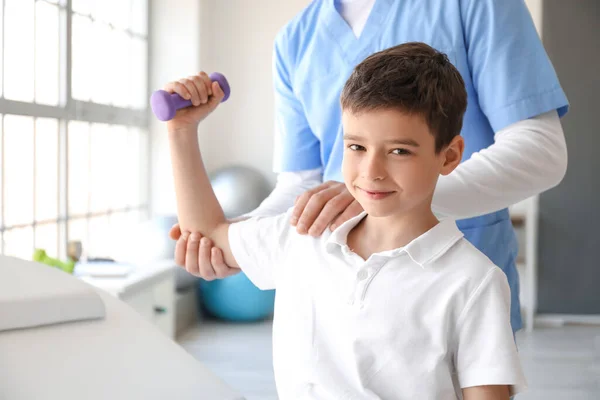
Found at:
[69, 109]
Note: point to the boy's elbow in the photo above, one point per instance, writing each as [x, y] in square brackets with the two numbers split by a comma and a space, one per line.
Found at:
[219, 234]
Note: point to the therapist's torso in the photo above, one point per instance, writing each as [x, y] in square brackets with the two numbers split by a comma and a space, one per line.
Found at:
[325, 50]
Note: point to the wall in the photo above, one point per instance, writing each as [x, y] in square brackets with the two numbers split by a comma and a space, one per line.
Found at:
[536, 10]
[174, 53]
[569, 277]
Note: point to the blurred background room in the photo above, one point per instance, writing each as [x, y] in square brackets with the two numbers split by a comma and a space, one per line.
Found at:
[86, 182]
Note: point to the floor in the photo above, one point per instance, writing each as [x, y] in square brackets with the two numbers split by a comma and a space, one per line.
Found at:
[560, 363]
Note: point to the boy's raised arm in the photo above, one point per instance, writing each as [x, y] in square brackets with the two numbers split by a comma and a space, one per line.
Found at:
[197, 207]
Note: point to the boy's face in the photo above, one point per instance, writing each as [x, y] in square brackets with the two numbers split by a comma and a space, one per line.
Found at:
[390, 165]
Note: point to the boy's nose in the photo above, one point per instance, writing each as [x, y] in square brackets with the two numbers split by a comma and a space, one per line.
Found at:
[373, 169]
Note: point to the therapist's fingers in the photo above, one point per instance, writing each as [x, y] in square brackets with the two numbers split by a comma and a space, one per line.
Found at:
[191, 256]
[350, 212]
[205, 267]
[181, 249]
[175, 232]
[303, 199]
[333, 208]
[310, 204]
[221, 269]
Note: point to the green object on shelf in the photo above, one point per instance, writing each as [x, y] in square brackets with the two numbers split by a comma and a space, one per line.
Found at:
[40, 256]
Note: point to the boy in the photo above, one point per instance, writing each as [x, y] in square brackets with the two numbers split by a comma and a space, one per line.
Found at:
[393, 304]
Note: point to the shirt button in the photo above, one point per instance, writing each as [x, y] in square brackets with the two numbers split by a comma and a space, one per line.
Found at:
[362, 275]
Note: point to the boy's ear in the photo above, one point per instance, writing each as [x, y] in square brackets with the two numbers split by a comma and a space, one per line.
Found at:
[452, 155]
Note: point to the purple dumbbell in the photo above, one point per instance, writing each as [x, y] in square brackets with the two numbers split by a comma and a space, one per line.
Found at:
[165, 105]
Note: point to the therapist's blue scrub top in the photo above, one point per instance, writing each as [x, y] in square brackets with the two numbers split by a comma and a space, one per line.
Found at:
[494, 45]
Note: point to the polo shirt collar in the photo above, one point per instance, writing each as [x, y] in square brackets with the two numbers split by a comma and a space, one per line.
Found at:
[422, 250]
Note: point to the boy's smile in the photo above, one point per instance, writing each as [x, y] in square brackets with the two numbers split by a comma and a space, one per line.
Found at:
[376, 194]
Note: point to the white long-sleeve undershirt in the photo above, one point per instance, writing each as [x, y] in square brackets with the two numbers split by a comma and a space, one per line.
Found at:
[527, 158]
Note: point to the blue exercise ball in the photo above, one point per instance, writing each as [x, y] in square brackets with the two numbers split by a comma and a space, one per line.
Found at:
[235, 298]
[239, 189]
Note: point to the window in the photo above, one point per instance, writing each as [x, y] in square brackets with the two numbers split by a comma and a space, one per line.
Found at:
[74, 141]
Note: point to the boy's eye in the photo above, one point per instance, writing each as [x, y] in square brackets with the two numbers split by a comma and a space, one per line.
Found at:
[401, 152]
[355, 147]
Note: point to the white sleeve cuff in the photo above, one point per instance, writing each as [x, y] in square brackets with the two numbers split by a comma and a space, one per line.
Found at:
[494, 376]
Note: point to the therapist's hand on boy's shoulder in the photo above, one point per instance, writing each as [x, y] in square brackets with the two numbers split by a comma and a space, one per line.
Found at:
[329, 204]
[205, 96]
[199, 257]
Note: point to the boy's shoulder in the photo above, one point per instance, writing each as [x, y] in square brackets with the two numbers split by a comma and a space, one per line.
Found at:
[466, 261]
[444, 249]
[463, 271]
[466, 251]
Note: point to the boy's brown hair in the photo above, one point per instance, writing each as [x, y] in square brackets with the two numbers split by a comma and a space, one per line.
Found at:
[413, 78]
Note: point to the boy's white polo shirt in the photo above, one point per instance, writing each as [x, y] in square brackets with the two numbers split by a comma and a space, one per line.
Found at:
[418, 322]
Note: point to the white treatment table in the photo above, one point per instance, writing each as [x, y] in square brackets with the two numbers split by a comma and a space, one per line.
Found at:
[61, 338]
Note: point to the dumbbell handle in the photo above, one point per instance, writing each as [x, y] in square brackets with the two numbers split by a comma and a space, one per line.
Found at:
[164, 104]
